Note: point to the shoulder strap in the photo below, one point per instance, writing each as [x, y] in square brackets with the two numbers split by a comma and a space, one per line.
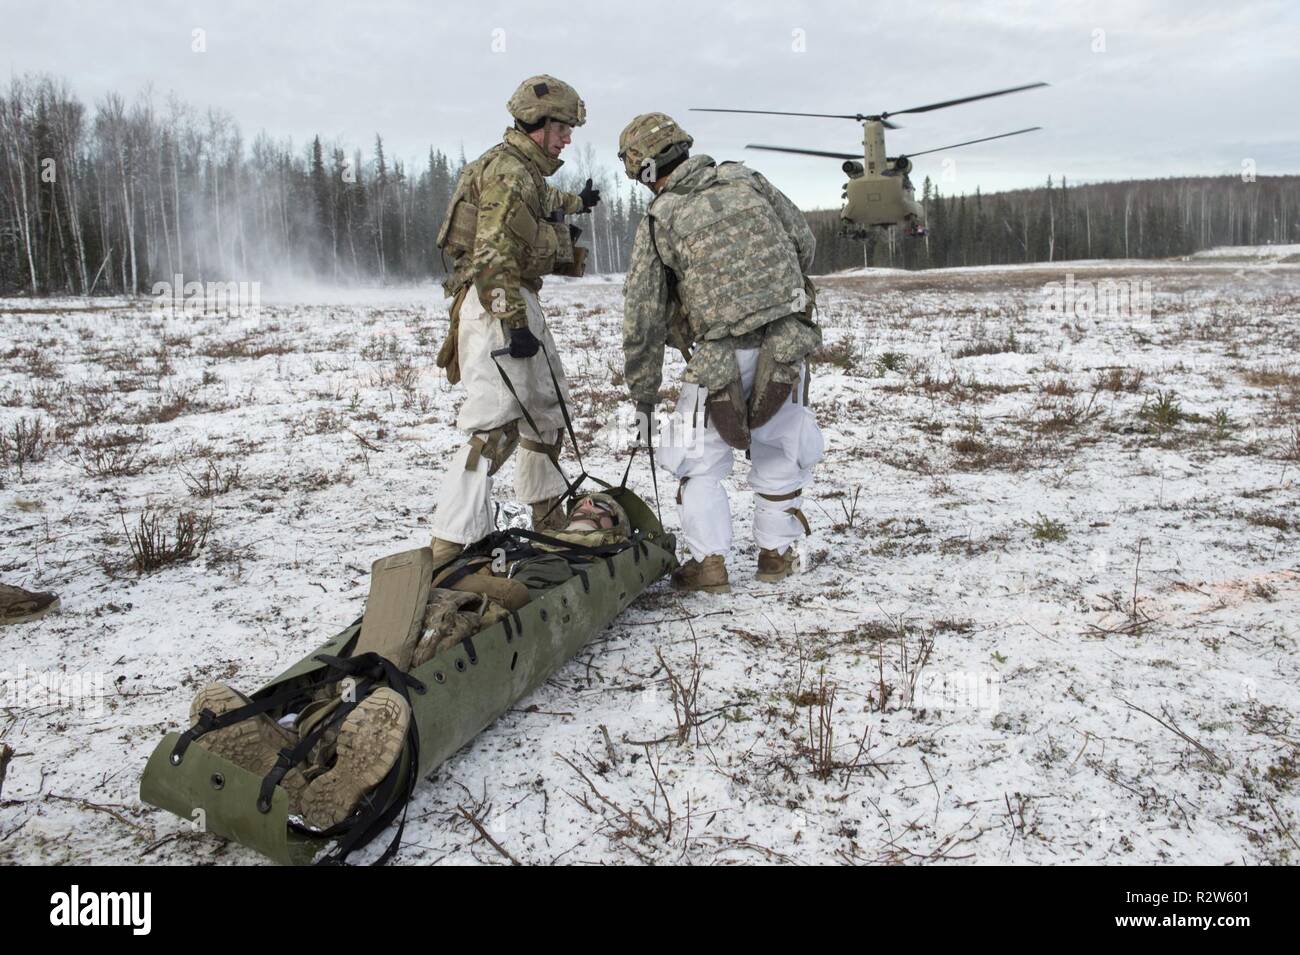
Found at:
[669, 275]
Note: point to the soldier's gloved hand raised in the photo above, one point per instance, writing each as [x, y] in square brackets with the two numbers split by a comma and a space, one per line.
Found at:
[590, 195]
[523, 343]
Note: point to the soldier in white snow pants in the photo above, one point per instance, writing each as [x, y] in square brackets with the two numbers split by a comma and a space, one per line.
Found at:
[496, 425]
[782, 454]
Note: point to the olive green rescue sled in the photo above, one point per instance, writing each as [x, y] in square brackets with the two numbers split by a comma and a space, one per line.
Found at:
[453, 696]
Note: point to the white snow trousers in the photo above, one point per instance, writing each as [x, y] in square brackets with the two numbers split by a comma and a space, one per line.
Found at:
[782, 454]
[464, 512]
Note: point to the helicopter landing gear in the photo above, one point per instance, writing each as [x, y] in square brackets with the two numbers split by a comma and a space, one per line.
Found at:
[854, 231]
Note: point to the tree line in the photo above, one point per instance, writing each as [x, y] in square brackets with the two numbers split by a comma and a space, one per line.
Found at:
[115, 198]
[118, 197]
[1143, 219]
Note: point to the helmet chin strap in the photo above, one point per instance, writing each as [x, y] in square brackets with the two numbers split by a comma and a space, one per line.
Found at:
[546, 136]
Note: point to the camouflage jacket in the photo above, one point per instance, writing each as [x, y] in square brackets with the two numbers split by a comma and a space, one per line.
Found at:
[513, 244]
[733, 259]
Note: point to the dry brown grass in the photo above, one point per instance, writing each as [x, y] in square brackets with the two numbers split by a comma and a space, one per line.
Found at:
[842, 353]
[245, 348]
[991, 346]
[1272, 376]
[157, 542]
[174, 401]
[36, 364]
[1271, 519]
[1291, 444]
[1118, 380]
[24, 442]
[113, 453]
[214, 479]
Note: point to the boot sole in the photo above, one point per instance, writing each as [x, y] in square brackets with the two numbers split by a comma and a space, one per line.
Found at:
[710, 589]
[253, 744]
[34, 615]
[773, 577]
[371, 740]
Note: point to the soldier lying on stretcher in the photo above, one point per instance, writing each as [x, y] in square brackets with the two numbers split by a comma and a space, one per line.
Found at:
[353, 755]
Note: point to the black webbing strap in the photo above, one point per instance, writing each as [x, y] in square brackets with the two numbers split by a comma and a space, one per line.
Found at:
[209, 721]
[571, 487]
[564, 410]
[670, 277]
[382, 805]
[393, 795]
[291, 757]
[569, 547]
[522, 545]
[455, 576]
[628, 470]
[654, 477]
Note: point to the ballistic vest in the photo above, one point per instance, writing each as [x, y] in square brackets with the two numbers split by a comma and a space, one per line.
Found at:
[736, 268]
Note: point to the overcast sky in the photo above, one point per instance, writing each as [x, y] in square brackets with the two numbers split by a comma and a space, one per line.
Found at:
[1139, 89]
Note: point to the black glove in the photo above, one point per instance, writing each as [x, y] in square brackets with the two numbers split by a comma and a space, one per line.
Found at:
[645, 416]
[590, 195]
[523, 343]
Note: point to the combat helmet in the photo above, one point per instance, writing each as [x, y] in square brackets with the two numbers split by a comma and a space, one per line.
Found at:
[545, 97]
[651, 142]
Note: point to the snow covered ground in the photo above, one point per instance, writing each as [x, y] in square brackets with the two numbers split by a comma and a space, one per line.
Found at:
[1050, 614]
[1281, 253]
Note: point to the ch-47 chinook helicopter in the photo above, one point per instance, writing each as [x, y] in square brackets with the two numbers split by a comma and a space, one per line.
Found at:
[879, 192]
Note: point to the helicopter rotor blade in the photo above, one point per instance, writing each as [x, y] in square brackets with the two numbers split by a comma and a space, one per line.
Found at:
[971, 142]
[964, 99]
[856, 117]
[805, 152]
[776, 112]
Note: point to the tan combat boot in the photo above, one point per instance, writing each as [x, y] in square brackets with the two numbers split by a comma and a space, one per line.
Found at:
[708, 575]
[19, 606]
[558, 519]
[444, 550]
[774, 565]
[253, 744]
[370, 741]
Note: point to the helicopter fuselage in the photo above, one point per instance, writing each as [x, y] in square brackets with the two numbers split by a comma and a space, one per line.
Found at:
[880, 194]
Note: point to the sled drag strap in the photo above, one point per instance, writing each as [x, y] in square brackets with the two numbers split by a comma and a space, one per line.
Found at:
[654, 477]
[393, 795]
[290, 757]
[209, 721]
[571, 487]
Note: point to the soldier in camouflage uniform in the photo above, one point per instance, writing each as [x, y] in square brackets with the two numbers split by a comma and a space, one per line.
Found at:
[719, 267]
[504, 230]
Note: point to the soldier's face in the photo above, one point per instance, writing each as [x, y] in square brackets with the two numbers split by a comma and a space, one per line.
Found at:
[553, 137]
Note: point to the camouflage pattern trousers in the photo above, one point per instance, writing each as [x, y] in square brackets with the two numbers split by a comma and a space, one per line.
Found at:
[782, 454]
[464, 513]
